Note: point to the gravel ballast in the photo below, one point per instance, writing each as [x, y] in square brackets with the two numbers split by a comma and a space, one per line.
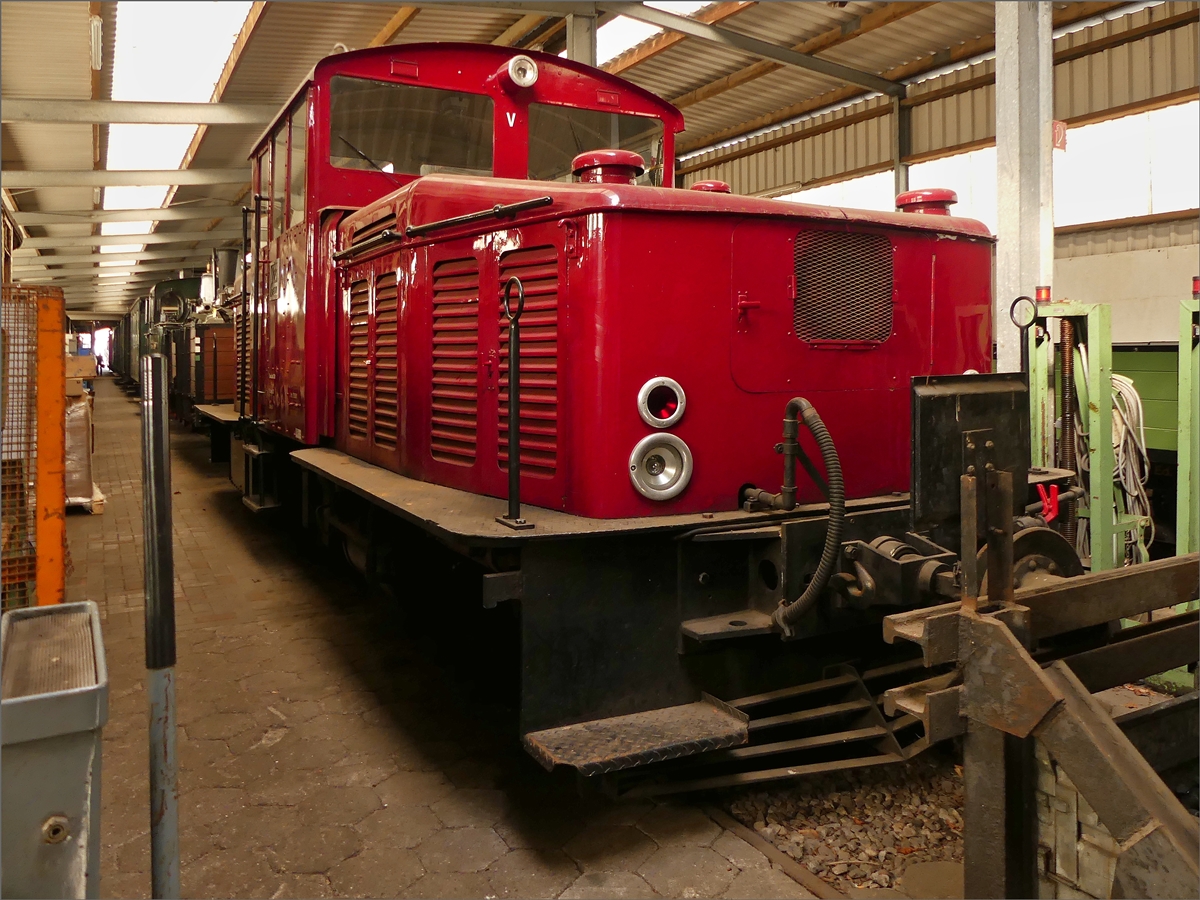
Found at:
[863, 828]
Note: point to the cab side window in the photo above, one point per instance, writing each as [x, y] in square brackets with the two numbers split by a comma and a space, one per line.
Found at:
[297, 163]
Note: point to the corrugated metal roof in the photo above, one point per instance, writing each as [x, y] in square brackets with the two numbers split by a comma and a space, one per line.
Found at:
[45, 53]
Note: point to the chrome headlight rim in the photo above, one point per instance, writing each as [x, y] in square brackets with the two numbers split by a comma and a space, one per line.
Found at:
[644, 401]
[523, 71]
[676, 458]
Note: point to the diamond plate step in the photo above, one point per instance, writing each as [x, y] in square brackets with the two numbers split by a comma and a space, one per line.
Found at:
[622, 742]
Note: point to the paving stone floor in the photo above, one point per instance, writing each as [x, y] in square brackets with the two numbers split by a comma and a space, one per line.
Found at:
[325, 750]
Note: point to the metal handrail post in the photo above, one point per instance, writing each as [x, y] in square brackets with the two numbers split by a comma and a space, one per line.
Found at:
[513, 517]
[160, 629]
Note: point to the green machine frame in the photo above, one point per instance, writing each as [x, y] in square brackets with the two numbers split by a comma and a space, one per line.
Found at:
[1187, 509]
[1095, 321]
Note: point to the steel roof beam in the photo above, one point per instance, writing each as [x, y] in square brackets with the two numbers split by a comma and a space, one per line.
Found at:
[16, 179]
[118, 240]
[155, 214]
[132, 112]
[827, 40]
[521, 7]
[81, 270]
[115, 288]
[106, 288]
[84, 277]
[23, 261]
[747, 44]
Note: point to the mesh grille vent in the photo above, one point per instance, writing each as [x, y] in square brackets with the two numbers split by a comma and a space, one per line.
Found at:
[360, 364]
[455, 405]
[537, 267]
[843, 287]
[385, 375]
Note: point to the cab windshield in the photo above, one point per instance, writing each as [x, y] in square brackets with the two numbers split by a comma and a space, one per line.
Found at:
[557, 134]
[402, 128]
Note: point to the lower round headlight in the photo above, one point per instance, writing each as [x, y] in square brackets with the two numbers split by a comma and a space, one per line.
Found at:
[660, 466]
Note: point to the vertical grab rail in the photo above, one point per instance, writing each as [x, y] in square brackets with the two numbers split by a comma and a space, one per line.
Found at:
[160, 629]
[513, 517]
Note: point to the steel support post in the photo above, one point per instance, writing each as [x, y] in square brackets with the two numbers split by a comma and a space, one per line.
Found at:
[999, 815]
[160, 629]
[1042, 397]
[901, 143]
[1024, 142]
[1187, 509]
[581, 39]
[1095, 403]
[1097, 417]
[1000, 821]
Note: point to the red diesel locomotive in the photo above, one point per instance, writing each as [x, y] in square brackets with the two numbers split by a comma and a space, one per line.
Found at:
[410, 200]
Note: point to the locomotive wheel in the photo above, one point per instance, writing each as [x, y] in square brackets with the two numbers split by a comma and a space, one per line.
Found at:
[1041, 556]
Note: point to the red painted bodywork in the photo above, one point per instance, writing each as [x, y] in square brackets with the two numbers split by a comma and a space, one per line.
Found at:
[649, 284]
[626, 283]
[297, 319]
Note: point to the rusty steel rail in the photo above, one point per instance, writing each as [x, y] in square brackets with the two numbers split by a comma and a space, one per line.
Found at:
[1004, 698]
[1057, 609]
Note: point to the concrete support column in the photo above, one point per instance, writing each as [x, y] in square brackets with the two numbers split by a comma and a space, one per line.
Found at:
[1024, 146]
[581, 39]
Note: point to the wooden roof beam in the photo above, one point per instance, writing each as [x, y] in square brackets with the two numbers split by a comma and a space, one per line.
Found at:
[513, 33]
[872, 21]
[651, 48]
[396, 24]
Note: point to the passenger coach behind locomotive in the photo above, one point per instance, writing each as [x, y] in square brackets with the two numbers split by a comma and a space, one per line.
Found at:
[663, 333]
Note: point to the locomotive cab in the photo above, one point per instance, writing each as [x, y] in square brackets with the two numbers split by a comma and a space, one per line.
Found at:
[368, 122]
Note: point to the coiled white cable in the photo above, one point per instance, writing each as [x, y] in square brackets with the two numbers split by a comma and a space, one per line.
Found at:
[1131, 465]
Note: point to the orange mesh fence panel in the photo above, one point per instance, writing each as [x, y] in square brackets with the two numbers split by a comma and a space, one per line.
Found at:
[32, 461]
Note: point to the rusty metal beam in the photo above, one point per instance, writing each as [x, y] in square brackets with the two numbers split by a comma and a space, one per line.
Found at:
[1158, 837]
[1159, 649]
[1107, 596]
[1071, 604]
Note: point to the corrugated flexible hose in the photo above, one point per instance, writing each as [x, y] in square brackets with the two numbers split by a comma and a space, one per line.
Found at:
[789, 612]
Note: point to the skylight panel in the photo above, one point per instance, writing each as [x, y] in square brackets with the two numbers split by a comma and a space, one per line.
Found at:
[148, 67]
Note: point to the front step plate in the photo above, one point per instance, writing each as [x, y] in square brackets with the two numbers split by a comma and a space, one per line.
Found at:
[622, 742]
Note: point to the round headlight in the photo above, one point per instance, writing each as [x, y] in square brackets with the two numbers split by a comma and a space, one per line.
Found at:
[660, 466]
[661, 402]
[523, 71]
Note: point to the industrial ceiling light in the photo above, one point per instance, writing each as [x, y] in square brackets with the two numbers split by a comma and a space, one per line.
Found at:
[97, 45]
[661, 402]
[660, 466]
